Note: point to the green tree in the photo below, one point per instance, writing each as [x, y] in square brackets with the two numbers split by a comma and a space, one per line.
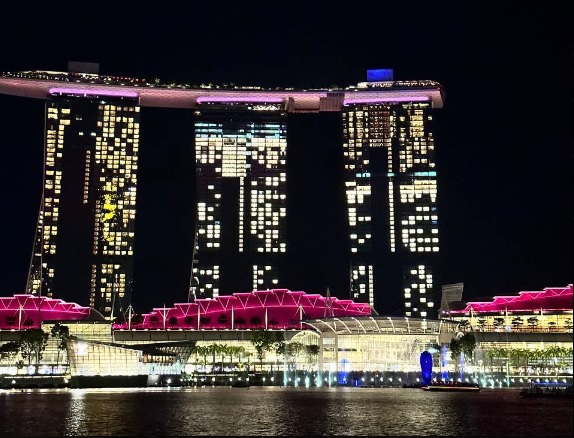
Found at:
[293, 351]
[312, 352]
[455, 351]
[467, 345]
[32, 345]
[62, 333]
[9, 350]
[262, 341]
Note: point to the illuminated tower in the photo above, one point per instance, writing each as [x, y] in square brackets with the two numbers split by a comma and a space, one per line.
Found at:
[84, 245]
[85, 235]
[391, 187]
[241, 183]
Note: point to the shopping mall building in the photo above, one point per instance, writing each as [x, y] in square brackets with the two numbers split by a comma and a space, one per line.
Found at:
[312, 339]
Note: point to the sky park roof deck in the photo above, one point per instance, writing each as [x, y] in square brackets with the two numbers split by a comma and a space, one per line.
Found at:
[155, 93]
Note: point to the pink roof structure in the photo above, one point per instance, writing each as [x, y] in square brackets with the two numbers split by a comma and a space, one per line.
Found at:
[553, 299]
[271, 309]
[29, 311]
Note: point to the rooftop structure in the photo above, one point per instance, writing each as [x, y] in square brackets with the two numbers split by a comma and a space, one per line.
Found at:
[277, 309]
[551, 298]
[154, 93]
[23, 311]
[84, 245]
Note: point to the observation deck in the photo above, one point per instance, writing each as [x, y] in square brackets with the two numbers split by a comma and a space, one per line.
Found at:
[44, 84]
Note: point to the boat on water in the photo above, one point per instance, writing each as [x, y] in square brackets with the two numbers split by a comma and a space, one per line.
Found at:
[548, 390]
[451, 387]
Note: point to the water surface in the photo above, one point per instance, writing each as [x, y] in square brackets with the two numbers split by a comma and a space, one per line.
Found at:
[264, 411]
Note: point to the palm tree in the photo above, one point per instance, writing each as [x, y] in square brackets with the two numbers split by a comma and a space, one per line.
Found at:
[202, 351]
[235, 351]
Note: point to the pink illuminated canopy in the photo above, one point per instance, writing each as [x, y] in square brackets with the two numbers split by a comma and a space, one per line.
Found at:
[549, 299]
[383, 99]
[29, 311]
[94, 92]
[269, 309]
[229, 99]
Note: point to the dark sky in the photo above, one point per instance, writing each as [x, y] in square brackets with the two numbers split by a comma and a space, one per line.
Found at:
[504, 137]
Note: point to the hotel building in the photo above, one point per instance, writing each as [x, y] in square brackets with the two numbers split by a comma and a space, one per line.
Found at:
[86, 220]
[85, 234]
[241, 186]
[391, 187]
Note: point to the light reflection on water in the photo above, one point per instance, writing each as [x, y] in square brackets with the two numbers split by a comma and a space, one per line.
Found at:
[264, 411]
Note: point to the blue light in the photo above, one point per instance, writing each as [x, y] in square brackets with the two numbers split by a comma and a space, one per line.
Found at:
[382, 74]
[426, 367]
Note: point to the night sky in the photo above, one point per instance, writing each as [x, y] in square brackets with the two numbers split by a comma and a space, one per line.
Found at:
[504, 137]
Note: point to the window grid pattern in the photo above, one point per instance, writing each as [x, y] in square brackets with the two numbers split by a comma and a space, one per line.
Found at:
[101, 137]
[247, 143]
[405, 131]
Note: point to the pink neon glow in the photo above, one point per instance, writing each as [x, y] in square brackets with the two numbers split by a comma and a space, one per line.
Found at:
[260, 99]
[383, 99]
[29, 311]
[551, 298]
[272, 309]
[91, 92]
[151, 96]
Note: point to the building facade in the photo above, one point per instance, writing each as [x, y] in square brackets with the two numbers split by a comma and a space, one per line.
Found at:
[84, 243]
[241, 185]
[517, 339]
[391, 188]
